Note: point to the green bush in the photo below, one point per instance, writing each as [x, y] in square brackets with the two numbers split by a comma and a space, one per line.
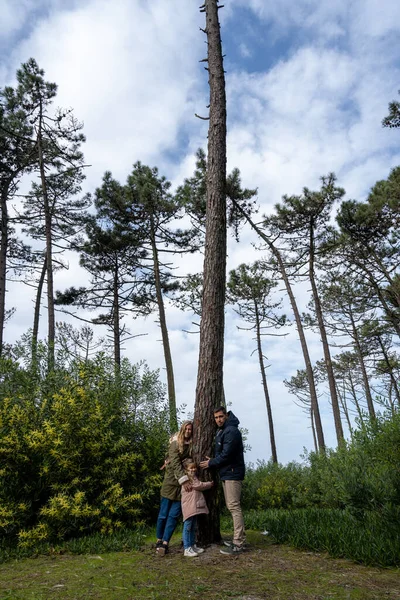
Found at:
[271, 485]
[79, 451]
[361, 475]
[370, 540]
[349, 497]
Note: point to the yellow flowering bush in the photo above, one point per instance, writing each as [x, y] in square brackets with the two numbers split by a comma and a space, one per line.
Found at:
[80, 451]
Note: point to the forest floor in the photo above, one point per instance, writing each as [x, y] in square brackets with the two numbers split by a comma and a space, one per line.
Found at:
[263, 571]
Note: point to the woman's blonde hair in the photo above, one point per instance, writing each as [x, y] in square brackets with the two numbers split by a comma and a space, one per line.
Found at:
[181, 436]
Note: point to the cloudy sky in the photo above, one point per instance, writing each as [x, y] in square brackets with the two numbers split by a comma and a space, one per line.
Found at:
[308, 83]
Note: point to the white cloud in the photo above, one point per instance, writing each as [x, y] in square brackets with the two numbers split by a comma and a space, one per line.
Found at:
[120, 67]
[130, 70]
[244, 50]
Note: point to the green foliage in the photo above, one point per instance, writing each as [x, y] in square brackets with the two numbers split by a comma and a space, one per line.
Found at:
[360, 476]
[339, 532]
[80, 451]
[345, 502]
[120, 541]
[271, 485]
[393, 118]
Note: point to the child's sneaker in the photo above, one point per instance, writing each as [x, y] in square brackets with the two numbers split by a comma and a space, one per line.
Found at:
[190, 552]
[197, 549]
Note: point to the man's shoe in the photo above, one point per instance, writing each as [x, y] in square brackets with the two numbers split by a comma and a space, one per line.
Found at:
[190, 552]
[197, 549]
[233, 549]
[230, 543]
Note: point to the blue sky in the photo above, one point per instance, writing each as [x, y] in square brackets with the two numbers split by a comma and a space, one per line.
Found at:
[308, 83]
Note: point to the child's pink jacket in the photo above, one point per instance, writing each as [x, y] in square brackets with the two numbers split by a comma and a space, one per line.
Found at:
[194, 503]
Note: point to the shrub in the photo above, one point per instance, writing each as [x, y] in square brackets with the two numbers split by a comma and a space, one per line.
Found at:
[271, 485]
[82, 453]
[338, 532]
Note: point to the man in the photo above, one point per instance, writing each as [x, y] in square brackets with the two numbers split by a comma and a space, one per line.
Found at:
[229, 460]
[180, 450]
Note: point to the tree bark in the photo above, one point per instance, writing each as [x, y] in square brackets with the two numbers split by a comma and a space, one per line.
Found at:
[49, 251]
[314, 435]
[211, 353]
[265, 386]
[3, 258]
[116, 322]
[36, 315]
[368, 395]
[173, 422]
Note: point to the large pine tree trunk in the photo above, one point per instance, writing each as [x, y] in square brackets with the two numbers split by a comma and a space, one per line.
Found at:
[210, 369]
[299, 326]
[265, 387]
[173, 422]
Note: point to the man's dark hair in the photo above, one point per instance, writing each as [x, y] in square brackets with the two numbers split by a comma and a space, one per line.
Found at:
[220, 409]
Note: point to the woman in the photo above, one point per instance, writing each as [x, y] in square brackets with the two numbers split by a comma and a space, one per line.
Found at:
[180, 450]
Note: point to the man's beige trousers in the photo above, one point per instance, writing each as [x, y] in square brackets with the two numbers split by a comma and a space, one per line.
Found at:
[232, 491]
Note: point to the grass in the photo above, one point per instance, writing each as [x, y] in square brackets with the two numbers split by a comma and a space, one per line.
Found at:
[91, 544]
[265, 570]
[368, 538]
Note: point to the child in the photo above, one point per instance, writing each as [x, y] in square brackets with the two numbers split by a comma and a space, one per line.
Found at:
[193, 504]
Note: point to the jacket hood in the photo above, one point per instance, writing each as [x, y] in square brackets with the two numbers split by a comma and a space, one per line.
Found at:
[232, 420]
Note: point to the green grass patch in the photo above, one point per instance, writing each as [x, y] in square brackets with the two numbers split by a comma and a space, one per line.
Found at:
[369, 537]
[97, 543]
[265, 570]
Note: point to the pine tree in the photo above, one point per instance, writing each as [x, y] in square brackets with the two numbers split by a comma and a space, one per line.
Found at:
[57, 139]
[303, 220]
[17, 155]
[271, 243]
[114, 259]
[211, 354]
[250, 291]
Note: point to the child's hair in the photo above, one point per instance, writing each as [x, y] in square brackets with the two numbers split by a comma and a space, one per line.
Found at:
[189, 465]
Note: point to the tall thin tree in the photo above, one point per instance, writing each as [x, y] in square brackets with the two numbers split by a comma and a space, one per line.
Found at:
[211, 354]
[271, 244]
[250, 290]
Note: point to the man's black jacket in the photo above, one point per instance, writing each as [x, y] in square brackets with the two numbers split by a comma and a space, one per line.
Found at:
[229, 458]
